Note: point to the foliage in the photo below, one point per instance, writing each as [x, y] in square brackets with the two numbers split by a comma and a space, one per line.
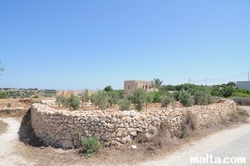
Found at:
[149, 98]
[185, 98]
[3, 95]
[74, 102]
[231, 84]
[139, 98]
[222, 90]
[9, 105]
[36, 96]
[241, 93]
[202, 98]
[167, 88]
[85, 96]
[113, 98]
[108, 88]
[166, 99]
[157, 95]
[100, 99]
[125, 104]
[120, 93]
[92, 145]
[156, 83]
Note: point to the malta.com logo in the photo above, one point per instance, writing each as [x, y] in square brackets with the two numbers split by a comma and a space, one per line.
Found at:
[210, 159]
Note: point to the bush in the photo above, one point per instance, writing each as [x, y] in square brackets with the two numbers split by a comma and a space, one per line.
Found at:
[149, 98]
[36, 96]
[73, 102]
[241, 93]
[202, 98]
[166, 99]
[9, 105]
[113, 98]
[3, 95]
[100, 99]
[92, 145]
[139, 98]
[185, 98]
[125, 104]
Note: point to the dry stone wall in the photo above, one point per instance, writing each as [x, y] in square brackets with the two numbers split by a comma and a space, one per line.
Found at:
[62, 128]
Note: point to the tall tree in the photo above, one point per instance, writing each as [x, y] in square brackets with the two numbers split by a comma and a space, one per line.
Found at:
[156, 83]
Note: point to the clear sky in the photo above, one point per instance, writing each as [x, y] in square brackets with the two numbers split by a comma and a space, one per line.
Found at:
[78, 44]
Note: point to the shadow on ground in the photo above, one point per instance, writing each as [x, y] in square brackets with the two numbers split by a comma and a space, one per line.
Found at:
[26, 133]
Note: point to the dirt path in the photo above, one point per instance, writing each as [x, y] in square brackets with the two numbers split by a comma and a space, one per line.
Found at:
[227, 143]
[8, 142]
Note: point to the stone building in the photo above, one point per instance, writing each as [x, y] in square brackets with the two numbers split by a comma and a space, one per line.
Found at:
[130, 86]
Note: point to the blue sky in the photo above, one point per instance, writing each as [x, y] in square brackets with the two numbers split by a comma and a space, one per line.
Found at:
[80, 44]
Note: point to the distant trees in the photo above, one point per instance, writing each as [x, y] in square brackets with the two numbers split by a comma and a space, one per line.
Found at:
[156, 83]
[3, 95]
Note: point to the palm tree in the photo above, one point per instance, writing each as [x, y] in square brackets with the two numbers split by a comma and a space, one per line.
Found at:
[156, 83]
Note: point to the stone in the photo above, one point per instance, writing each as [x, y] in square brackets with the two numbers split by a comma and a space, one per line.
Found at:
[126, 139]
[77, 142]
[70, 120]
[68, 136]
[67, 144]
[57, 137]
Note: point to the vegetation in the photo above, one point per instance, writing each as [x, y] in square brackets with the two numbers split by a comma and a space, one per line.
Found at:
[149, 98]
[113, 98]
[202, 98]
[125, 104]
[185, 98]
[166, 99]
[9, 105]
[92, 145]
[108, 88]
[100, 99]
[85, 96]
[3, 95]
[73, 102]
[139, 98]
[156, 83]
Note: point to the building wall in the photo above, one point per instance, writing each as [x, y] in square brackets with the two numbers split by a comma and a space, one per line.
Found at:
[130, 86]
[243, 84]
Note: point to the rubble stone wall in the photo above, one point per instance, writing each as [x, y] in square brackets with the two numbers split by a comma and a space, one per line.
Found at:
[62, 128]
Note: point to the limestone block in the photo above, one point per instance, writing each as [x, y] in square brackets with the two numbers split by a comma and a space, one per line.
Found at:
[67, 144]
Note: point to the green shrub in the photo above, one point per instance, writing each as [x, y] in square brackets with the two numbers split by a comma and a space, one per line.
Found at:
[74, 102]
[3, 95]
[149, 98]
[241, 93]
[113, 98]
[202, 98]
[185, 98]
[125, 104]
[100, 99]
[92, 145]
[157, 95]
[139, 98]
[166, 99]
[9, 105]
[36, 96]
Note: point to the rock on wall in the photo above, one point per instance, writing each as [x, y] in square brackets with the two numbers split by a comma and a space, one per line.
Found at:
[61, 128]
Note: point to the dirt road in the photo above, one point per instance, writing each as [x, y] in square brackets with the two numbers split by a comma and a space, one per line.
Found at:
[228, 143]
[8, 142]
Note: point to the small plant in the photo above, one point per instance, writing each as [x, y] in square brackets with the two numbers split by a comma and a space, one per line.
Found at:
[166, 99]
[36, 96]
[74, 102]
[125, 104]
[9, 105]
[92, 145]
[185, 98]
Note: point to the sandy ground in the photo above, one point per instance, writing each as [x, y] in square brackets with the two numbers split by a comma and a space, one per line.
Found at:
[8, 142]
